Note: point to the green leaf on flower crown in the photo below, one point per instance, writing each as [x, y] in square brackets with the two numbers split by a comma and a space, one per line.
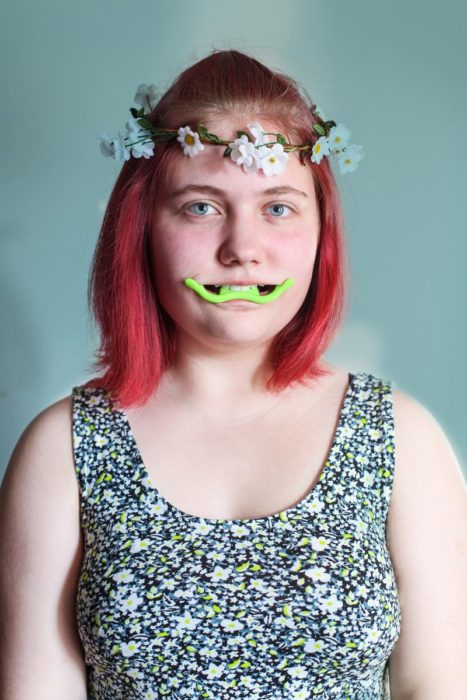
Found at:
[212, 138]
[281, 139]
[318, 129]
[133, 112]
[241, 133]
[227, 152]
[330, 124]
[145, 123]
[202, 131]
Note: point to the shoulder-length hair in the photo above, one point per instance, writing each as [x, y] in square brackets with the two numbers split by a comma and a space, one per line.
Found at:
[138, 337]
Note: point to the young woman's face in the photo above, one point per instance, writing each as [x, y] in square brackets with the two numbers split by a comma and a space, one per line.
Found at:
[221, 226]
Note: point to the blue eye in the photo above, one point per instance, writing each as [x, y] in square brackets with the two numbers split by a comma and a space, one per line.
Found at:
[200, 208]
[279, 210]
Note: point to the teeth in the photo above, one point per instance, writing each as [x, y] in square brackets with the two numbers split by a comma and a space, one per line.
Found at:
[238, 288]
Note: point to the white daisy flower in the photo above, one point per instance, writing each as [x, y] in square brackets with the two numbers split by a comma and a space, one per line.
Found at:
[319, 543]
[100, 440]
[297, 672]
[189, 141]
[220, 573]
[330, 604]
[313, 645]
[146, 96]
[149, 695]
[202, 528]
[214, 671]
[301, 694]
[319, 150]
[158, 508]
[239, 530]
[187, 622]
[217, 556]
[129, 649]
[275, 160]
[123, 576]
[317, 573]
[139, 545]
[368, 479]
[375, 434]
[131, 601]
[231, 625]
[258, 585]
[349, 159]
[134, 673]
[373, 634]
[339, 138]
[316, 506]
[168, 583]
[284, 622]
[206, 651]
[244, 153]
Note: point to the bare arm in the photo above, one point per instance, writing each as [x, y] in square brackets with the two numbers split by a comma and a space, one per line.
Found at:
[40, 554]
[427, 539]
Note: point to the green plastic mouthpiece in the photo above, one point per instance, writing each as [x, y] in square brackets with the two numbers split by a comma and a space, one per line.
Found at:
[224, 293]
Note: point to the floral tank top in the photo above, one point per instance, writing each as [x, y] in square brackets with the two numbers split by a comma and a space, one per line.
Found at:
[298, 605]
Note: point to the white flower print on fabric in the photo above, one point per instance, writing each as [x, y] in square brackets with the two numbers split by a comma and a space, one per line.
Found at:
[302, 604]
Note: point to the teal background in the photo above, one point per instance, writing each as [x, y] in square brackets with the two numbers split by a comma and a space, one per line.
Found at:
[394, 73]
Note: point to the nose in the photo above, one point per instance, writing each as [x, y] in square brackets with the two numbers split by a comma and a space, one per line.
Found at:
[241, 241]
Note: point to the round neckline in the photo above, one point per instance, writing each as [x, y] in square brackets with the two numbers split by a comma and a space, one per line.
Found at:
[324, 473]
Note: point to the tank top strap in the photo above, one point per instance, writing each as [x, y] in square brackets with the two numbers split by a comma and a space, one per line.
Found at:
[103, 459]
[371, 426]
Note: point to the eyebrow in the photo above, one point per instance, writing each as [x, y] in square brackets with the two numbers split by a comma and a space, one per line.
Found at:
[209, 189]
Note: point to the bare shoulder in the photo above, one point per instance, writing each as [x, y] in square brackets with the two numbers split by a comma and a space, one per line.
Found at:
[40, 488]
[427, 540]
[422, 448]
[427, 472]
[44, 449]
[40, 559]
[40, 491]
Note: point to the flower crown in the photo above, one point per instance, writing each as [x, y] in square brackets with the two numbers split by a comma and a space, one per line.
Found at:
[259, 154]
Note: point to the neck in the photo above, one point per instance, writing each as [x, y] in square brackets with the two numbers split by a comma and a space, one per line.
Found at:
[228, 380]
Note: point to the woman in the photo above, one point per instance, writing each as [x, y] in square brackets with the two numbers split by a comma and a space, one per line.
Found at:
[236, 517]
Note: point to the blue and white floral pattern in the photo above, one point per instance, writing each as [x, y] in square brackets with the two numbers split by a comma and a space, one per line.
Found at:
[297, 605]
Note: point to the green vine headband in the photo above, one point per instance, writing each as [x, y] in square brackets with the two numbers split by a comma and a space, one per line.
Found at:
[254, 151]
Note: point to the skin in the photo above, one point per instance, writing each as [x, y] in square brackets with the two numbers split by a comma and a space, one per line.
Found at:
[240, 231]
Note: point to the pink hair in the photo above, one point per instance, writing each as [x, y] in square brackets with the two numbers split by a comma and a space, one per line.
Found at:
[138, 339]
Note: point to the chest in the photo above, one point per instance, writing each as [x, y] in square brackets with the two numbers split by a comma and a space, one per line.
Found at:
[238, 469]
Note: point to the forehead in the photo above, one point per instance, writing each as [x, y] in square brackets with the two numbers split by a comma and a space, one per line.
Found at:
[211, 167]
